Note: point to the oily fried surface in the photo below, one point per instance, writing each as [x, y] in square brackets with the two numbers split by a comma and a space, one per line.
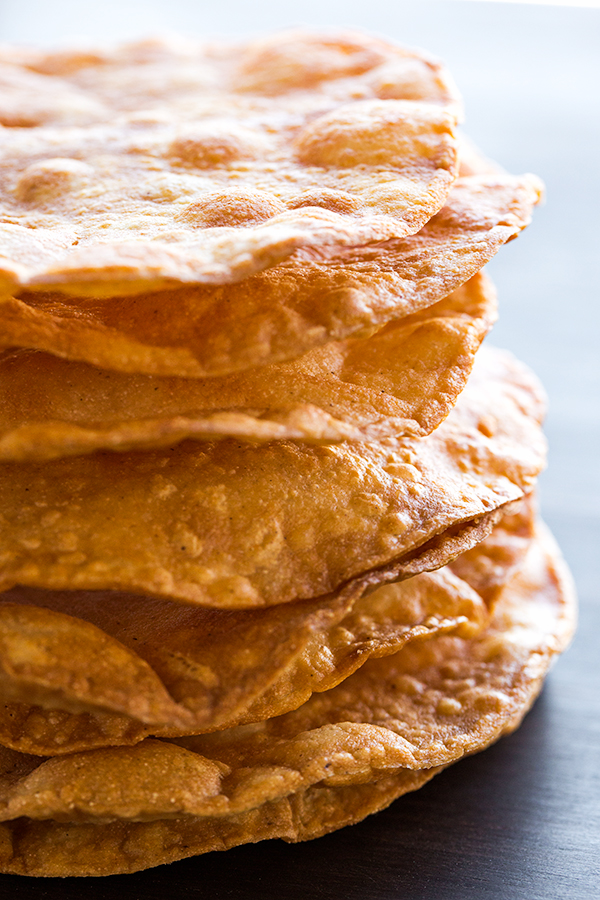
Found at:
[223, 168]
[419, 709]
[286, 310]
[402, 380]
[179, 670]
[233, 525]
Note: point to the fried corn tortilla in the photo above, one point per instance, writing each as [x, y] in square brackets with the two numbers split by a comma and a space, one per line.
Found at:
[285, 311]
[203, 658]
[181, 670]
[233, 525]
[302, 648]
[250, 164]
[402, 380]
[222, 668]
[420, 709]
[301, 816]
[439, 682]
[172, 72]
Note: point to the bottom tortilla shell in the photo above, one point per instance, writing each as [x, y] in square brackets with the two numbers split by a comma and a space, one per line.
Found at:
[57, 850]
[344, 754]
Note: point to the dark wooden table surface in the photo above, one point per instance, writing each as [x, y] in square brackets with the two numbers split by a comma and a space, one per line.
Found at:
[522, 820]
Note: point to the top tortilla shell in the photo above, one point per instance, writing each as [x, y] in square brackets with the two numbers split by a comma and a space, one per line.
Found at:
[242, 155]
[343, 754]
[289, 309]
[169, 73]
[232, 525]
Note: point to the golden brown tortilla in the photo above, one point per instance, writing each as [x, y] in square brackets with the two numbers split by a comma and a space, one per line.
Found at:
[232, 525]
[224, 169]
[423, 708]
[287, 310]
[402, 380]
[151, 667]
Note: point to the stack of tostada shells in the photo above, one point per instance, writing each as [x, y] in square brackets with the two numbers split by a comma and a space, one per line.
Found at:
[269, 554]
